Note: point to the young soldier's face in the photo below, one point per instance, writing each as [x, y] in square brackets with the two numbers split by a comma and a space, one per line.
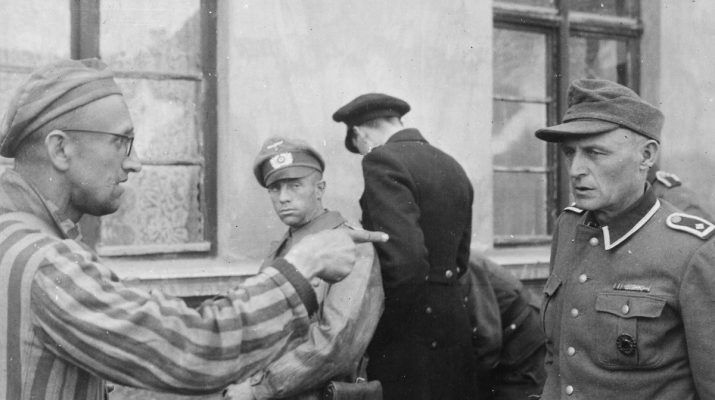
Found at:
[297, 201]
[604, 170]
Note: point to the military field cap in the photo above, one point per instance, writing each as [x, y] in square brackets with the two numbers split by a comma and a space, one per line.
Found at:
[365, 108]
[51, 91]
[285, 158]
[599, 106]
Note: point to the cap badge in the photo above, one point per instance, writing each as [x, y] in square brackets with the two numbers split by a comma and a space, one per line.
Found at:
[275, 145]
[281, 160]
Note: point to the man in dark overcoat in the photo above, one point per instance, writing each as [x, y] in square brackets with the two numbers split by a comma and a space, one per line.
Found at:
[422, 198]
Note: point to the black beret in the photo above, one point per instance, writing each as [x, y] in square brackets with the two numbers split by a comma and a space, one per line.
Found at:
[365, 108]
[599, 106]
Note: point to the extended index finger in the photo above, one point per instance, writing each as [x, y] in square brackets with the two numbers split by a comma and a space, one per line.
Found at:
[362, 236]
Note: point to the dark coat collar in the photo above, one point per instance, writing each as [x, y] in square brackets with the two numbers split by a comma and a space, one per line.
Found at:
[407, 135]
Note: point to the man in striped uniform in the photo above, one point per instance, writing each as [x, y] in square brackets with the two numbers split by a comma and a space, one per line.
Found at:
[68, 323]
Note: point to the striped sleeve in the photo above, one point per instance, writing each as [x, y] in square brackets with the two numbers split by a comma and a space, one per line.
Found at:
[145, 339]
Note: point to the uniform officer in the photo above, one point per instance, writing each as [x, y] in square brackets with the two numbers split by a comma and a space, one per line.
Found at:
[422, 198]
[669, 187]
[628, 307]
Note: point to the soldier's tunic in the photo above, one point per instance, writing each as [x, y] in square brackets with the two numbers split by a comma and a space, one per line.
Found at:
[669, 187]
[64, 314]
[628, 308]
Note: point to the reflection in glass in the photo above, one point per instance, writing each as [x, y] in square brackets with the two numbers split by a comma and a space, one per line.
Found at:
[34, 32]
[513, 142]
[520, 204]
[620, 8]
[519, 63]
[157, 35]
[597, 58]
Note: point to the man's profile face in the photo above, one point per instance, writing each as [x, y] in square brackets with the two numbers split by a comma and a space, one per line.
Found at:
[297, 201]
[604, 170]
[101, 164]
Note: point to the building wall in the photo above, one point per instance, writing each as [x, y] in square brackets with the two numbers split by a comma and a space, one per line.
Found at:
[678, 75]
[286, 66]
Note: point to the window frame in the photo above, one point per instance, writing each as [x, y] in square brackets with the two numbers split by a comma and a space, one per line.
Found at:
[85, 43]
[558, 25]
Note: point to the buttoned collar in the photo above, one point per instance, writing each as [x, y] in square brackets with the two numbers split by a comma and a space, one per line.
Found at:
[19, 195]
[627, 223]
[407, 135]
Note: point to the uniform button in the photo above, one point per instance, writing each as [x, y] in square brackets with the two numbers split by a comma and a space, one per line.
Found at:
[474, 330]
[676, 219]
[571, 351]
[574, 312]
[593, 241]
[458, 270]
[625, 309]
[426, 277]
[448, 273]
[466, 299]
[428, 310]
[582, 278]
[569, 390]
[434, 344]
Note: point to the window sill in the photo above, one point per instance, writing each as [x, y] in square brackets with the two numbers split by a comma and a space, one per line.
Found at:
[528, 263]
[185, 277]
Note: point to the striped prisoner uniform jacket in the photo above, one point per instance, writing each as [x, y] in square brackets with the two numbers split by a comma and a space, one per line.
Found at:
[69, 324]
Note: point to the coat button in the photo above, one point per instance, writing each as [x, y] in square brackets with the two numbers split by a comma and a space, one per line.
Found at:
[474, 330]
[448, 273]
[569, 390]
[570, 351]
[625, 309]
[428, 310]
[434, 344]
[458, 270]
[574, 312]
[582, 278]
[676, 219]
[426, 277]
[466, 299]
[593, 241]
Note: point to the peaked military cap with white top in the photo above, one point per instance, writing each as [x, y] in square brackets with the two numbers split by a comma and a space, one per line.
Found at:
[365, 108]
[286, 158]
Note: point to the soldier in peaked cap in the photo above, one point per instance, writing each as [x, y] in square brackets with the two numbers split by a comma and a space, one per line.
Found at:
[422, 348]
[627, 308]
[349, 310]
[68, 322]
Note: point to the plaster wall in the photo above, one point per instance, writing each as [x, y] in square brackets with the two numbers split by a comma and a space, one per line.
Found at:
[286, 66]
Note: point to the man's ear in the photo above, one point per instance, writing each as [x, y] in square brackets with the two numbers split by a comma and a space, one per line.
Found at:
[58, 147]
[649, 153]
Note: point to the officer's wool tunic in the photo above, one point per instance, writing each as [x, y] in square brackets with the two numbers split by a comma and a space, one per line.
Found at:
[65, 314]
[629, 308]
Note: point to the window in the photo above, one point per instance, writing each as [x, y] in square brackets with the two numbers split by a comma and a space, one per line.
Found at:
[163, 55]
[539, 47]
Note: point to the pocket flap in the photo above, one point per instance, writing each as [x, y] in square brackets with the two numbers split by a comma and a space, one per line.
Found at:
[552, 284]
[629, 305]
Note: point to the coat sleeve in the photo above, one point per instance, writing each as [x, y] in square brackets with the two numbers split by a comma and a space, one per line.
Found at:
[390, 205]
[336, 342]
[697, 300]
[85, 315]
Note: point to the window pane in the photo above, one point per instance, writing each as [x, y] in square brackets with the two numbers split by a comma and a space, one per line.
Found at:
[160, 206]
[157, 35]
[596, 58]
[519, 64]
[536, 3]
[513, 141]
[176, 135]
[621, 8]
[34, 32]
[520, 204]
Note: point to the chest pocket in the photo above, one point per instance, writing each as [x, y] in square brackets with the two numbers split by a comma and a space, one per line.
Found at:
[628, 332]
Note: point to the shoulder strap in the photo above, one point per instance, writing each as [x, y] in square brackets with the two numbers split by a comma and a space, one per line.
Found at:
[691, 224]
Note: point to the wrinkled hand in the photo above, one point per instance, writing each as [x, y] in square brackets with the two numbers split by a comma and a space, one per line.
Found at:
[238, 391]
[329, 255]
